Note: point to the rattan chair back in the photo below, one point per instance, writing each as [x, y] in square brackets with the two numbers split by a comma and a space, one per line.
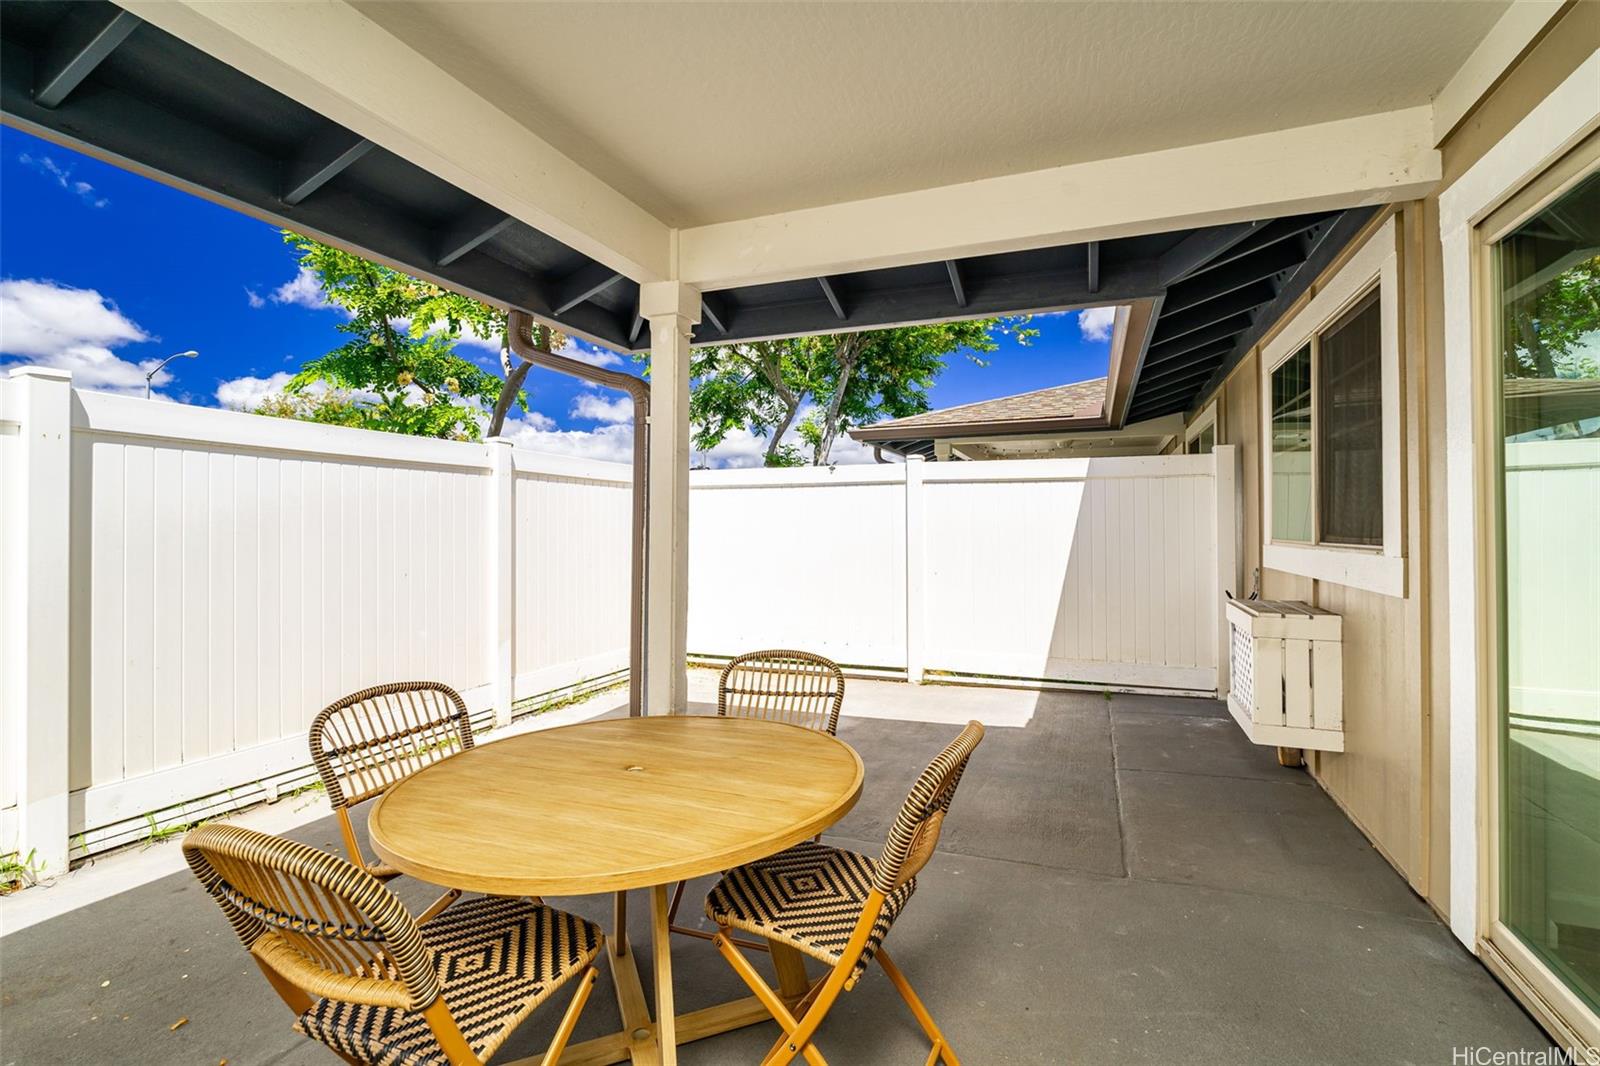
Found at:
[320, 923]
[915, 832]
[371, 740]
[782, 685]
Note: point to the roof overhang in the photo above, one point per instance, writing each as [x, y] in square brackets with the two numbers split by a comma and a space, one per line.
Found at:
[321, 118]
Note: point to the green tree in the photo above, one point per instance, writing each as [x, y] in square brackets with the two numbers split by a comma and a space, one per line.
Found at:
[837, 380]
[398, 371]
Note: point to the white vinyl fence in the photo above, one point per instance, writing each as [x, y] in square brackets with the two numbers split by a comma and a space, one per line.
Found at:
[182, 589]
[1100, 572]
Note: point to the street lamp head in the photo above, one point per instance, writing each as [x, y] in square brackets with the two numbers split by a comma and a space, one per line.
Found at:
[190, 354]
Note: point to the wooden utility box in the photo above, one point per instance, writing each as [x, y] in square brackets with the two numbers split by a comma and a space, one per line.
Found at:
[1287, 667]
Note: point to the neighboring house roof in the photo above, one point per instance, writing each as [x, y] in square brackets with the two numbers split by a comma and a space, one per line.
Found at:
[1080, 399]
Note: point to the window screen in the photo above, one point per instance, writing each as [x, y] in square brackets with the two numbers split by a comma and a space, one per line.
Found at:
[1350, 428]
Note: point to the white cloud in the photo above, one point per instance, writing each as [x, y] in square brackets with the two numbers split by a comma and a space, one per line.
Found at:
[246, 393]
[254, 298]
[62, 176]
[597, 407]
[609, 443]
[302, 290]
[73, 329]
[1095, 323]
[592, 354]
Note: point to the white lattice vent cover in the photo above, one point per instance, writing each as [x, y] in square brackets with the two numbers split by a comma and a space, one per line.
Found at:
[1287, 670]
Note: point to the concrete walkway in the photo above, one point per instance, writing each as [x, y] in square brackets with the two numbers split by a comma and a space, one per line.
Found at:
[1120, 881]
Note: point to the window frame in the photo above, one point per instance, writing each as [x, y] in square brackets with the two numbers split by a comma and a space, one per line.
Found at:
[1206, 419]
[1375, 568]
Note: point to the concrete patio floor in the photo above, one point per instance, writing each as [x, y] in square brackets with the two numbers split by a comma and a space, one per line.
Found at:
[1121, 880]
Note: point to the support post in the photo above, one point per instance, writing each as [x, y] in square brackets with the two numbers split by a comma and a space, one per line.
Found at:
[502, 578]
[672, 309]
[1229, 522]
[914, 568]
[36, 507]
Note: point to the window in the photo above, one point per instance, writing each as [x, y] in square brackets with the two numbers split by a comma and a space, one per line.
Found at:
[1291, 447]
[1330, 414]
[1200, 437]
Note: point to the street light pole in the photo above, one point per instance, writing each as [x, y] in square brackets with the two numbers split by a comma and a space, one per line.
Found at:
[190, 354]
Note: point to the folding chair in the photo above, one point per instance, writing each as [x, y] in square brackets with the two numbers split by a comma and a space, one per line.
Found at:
[837, 906]
[371, 982]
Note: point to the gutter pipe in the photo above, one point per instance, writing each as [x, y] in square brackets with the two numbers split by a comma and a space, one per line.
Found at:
[519, 335]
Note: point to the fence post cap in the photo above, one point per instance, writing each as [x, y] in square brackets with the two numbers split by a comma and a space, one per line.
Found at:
[47, 373]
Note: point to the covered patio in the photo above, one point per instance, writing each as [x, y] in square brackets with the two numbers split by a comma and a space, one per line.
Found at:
[1121, 880]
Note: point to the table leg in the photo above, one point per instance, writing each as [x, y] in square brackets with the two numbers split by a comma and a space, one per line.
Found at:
[790, 966]
[666, 1017]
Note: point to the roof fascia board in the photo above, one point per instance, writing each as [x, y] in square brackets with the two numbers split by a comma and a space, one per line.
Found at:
[1507, 41]
[336, 61]
[1372, 159]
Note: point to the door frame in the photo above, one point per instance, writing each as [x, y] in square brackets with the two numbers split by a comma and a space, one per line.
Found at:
[1524, 158]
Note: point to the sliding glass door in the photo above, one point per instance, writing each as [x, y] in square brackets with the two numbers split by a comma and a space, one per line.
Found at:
[1546, 336]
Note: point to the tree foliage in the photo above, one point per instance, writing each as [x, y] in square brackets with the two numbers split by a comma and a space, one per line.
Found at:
[398, 370]
[1549, 331]
[829, 383]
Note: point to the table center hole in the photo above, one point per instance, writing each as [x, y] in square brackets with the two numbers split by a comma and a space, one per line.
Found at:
[634, 769]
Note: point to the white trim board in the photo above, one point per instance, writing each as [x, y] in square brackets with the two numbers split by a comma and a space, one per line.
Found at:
[1556, 124]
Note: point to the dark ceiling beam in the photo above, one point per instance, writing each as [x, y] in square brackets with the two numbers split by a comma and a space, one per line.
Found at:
[91, 33]
[1202, 364]
[1226, 329]
[585, 283]
[1247, 270]
[119, 125]
[716, 312]
[1178, 393]
[1164, 389]
[1331, 241]
[1094, 266]
[1206, 354]
[1171, 327]
[1001, 294]
[469, 231]
[832, 295]
[957, 286]
[1201, 247]
[323, 159]
[1277, 231]
[635, 328]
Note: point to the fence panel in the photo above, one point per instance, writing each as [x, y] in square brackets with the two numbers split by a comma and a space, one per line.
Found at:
[799, 559]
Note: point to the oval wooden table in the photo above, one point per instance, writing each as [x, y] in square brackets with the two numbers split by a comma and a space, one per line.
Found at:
[620, 804]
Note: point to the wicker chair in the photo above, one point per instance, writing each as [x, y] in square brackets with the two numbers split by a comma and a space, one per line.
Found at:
[837, 906]
[371, 740]
[777, 685]
[367, 979]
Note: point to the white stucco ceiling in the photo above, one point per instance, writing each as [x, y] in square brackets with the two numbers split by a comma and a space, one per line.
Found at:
[708, 112]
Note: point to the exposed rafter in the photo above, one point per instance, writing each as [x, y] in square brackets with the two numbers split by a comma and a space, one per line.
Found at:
[90, 35]
[1094, 266]
[585, 283]
[1211, 312]
[330, 153]
[715, 312]
[1247, 270]
[635, 328]
[1201, 247]
[832, 296]
[956, 285]
[470, 231]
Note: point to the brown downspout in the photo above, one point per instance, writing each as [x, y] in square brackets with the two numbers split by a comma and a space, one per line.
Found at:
[519, 334]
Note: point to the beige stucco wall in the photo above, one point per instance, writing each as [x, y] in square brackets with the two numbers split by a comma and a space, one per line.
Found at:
[1393, 777]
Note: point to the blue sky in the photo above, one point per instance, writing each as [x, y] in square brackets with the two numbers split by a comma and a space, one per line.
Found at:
[104, 271]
